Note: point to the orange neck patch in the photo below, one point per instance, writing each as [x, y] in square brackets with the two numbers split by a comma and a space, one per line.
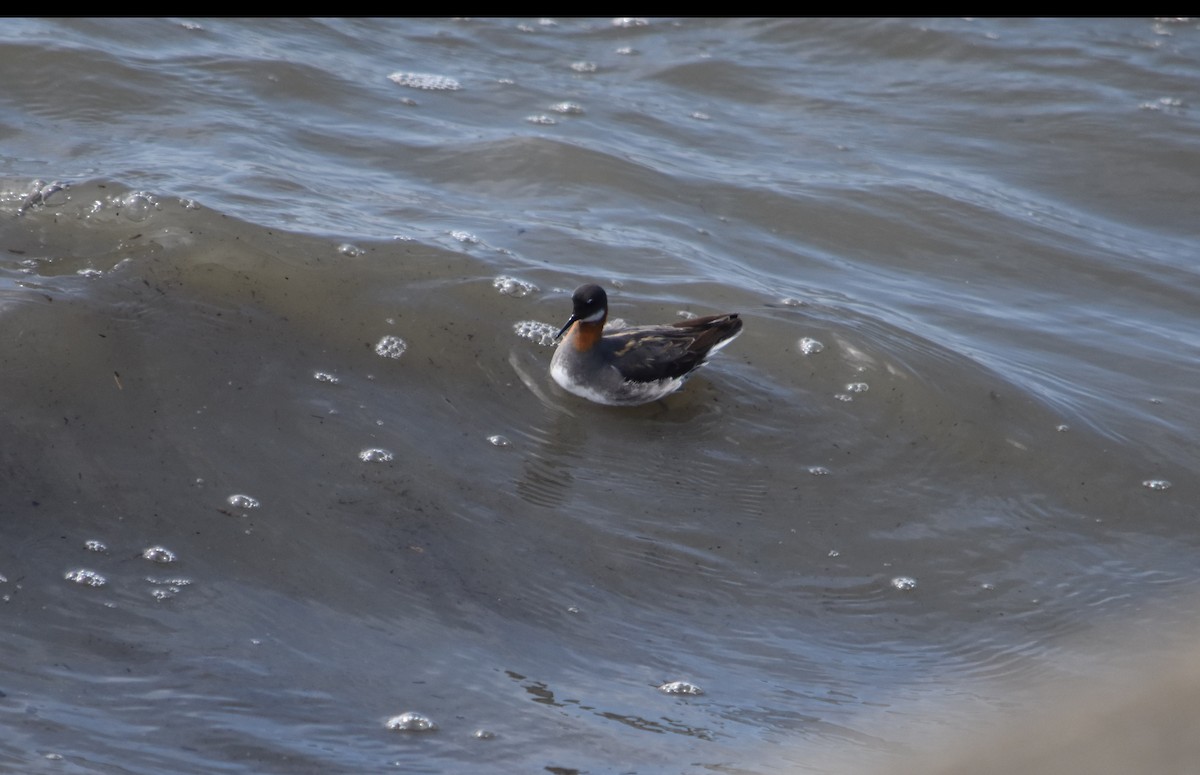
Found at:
[585, 336]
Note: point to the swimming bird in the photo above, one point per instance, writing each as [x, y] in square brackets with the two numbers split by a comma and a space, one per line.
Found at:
[635, 365]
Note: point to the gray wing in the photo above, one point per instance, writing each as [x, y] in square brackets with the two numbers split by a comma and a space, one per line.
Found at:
[651, 353]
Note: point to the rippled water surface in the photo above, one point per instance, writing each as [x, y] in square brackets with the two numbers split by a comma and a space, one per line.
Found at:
[286, 486]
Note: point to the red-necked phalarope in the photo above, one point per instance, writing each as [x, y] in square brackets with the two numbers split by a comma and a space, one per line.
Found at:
[632, 365]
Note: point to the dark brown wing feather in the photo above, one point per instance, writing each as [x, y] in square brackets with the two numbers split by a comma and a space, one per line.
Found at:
[652, 353]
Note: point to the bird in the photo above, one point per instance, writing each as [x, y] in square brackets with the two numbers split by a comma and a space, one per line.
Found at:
[632, 366]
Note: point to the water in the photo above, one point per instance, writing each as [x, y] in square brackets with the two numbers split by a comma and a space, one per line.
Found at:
[278, 298]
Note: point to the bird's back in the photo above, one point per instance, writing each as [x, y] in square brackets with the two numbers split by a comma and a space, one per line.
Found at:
[651, 353]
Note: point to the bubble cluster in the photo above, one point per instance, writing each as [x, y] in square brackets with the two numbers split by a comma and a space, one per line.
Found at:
[137, 205]
[1169, 104]
[511, 286]
[542, 119]
[85, 577]
[165, 589]
[346, 249]
[410, 722]
[425, 81]
[809, 346]
[680, 687]
[92, 545]
[1156, 484]
[376, 455]
[240, 501]
[159, 554]
[567, 108]
[499, 441]
[390, 346]
[904, 583]
[40, 194]
[324, 376]
[540, 333]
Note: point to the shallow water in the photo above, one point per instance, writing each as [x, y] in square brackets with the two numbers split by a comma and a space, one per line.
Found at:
[955, 443]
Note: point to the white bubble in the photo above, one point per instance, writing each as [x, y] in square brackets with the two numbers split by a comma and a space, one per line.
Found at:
[137, 205]
[1156, 484]
[92, 545]
[818, 470]
[465, 237]
[346, 249]
[499, 441]
[584, 67]
[541, 119]
[904, 583]
[324, 376]
[857, 387]
[567, 108]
